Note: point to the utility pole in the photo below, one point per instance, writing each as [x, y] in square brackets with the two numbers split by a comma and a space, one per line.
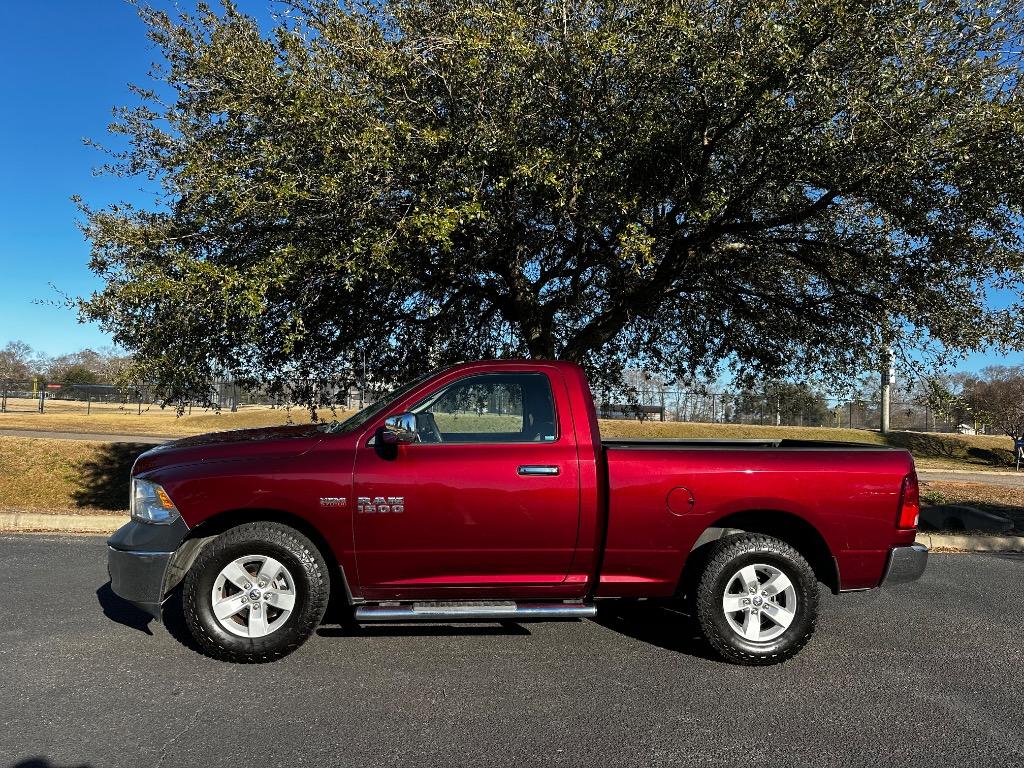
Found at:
[887, 380]
[362, 384]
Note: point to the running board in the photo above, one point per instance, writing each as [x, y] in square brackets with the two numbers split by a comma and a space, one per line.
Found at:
[478, 610]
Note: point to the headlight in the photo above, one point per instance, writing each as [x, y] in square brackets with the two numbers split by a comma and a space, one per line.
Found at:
[151, 504]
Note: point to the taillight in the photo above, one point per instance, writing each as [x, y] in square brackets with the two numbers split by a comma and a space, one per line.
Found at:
[910, 503]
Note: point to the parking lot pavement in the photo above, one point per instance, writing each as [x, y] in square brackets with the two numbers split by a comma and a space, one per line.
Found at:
[929, 674]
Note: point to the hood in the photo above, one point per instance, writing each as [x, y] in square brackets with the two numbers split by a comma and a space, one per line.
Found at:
[293, 439]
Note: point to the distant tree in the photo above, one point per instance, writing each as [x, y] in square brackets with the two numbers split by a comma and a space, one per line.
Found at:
[84, 367]
[617, 182]
[997, 398]
[948, 396]
[17, 360]
[786, 402]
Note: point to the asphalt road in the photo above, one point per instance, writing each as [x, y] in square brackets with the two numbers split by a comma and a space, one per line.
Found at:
[1012, 480]
[928, 675]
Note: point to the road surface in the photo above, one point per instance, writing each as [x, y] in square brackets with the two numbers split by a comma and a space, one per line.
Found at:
[930, 674]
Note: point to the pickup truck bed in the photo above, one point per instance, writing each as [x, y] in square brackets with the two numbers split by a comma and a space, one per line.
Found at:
[842, 497]
[486, 491]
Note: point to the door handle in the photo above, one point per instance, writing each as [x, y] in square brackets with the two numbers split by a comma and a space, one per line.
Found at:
[538, 469]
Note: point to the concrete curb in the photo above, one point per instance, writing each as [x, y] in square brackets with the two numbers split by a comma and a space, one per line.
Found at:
[15, 522]
[972, 543]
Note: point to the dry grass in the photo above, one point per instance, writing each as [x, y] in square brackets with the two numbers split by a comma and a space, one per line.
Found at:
[939, 451]
[52, 475]
[83, 476]
[1001, 499]
[931, 450]
[942, 491]
[157, 422]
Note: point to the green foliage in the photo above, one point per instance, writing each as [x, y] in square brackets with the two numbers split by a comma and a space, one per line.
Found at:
[672, 184]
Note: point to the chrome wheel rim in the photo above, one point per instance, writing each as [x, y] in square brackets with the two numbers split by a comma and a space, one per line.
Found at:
[759, 602]
[253, 596]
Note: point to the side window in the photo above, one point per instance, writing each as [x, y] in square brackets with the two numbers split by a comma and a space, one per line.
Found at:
[491, 408]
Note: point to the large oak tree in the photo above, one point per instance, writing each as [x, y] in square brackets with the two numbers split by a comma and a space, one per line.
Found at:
[782, 184]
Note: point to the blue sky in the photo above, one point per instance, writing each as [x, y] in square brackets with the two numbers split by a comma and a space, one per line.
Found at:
[66, 64]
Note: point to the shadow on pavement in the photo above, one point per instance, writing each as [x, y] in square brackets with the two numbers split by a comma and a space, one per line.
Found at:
[103, 480]
[120, 610]
[173, 616]
[42, 762]
[662, 625]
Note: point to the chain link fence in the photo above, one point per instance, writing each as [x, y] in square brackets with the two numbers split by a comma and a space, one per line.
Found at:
[40, 396]
[805, 410]
[801, 411]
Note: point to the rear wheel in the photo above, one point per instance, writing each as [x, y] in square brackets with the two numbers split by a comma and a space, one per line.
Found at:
[255, 593]
[757, 599]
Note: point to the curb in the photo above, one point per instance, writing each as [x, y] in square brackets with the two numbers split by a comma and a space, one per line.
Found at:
[975, 543]
[40, 522]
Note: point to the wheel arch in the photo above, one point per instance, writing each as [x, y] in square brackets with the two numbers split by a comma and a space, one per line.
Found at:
[217, 524]
[793, 529]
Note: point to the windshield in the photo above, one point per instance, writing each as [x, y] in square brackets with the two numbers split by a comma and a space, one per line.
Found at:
[367, 413]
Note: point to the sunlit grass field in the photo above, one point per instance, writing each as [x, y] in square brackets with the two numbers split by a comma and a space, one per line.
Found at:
[79, 476]
[154, 421]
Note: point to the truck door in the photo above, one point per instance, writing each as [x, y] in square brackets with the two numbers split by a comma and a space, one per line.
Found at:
[487, 499]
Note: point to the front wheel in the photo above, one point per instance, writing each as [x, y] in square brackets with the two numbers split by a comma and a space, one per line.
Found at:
[255, 593]
[757, 600]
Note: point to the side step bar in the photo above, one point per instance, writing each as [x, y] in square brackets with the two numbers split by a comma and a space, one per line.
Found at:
[469, 610]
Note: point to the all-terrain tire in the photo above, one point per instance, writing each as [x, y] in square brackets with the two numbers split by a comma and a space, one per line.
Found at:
[727, 558]
[306, 569]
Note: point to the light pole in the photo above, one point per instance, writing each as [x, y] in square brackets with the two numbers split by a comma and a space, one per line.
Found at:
[887, 380]
[362, 384]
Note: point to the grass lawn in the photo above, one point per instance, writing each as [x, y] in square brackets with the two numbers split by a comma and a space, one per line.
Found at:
[934, 450]
[65, 476]
[85, 477]
[1000, 499]
[154, 421]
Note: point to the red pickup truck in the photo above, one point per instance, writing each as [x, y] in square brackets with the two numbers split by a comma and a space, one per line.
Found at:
[484, 492]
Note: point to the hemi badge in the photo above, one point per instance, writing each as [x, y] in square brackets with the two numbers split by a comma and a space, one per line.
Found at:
[333, 501]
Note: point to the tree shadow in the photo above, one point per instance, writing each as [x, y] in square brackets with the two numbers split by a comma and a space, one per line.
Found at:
[120, 610]
[926, 445]
[664, 625]
[104, 479]
[42, 762]
[995, 456]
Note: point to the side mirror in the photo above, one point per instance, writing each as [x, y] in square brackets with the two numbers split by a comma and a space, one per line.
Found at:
[400, 429]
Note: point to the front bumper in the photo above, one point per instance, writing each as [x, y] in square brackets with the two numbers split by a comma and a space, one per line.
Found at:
[138, 556]
[905, 564]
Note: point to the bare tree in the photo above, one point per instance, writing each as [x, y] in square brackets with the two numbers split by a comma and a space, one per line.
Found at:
[997, 398]
[17, 360]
